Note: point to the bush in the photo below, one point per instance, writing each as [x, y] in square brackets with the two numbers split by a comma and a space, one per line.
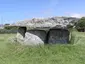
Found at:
[8, 29]
[81, 24]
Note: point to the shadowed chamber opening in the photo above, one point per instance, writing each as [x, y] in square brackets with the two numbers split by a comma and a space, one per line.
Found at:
[60, 36]
[22, 31]
[47, 37]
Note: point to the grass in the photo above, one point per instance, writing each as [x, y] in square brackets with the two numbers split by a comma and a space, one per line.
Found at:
[48, 54]
[78, 38]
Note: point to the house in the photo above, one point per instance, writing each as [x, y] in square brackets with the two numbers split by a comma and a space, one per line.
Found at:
[44, 31]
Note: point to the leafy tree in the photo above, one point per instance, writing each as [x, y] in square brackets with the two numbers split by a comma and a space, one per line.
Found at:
[81, 24]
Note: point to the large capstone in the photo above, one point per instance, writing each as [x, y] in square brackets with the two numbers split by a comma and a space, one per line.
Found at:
[34, 37]
[60, 36]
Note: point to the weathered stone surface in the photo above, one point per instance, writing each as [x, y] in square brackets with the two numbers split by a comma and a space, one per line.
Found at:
[38, 37]
[47, 22]
[21, 34]
[32, 37]
[58, 36]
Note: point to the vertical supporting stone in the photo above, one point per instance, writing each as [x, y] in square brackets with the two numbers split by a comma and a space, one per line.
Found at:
[21, 34]
[58, 36]
[35, 37]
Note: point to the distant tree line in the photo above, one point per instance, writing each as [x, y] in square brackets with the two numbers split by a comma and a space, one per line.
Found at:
[8, 29]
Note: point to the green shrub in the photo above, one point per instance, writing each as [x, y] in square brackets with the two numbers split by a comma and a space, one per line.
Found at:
[81, 24]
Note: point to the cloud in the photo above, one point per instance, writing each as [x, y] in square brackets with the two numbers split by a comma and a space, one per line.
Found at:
[77, 15]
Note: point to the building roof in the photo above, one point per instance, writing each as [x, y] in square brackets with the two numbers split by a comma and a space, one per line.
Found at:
[53, 22]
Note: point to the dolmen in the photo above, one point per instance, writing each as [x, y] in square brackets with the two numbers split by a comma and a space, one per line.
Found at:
[41, 31]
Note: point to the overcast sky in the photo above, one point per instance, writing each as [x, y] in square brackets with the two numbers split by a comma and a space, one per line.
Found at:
[12, 11]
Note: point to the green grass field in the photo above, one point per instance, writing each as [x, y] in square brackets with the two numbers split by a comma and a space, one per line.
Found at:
[49, 54]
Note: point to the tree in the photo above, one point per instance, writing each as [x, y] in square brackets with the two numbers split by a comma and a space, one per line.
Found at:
[80, 25]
